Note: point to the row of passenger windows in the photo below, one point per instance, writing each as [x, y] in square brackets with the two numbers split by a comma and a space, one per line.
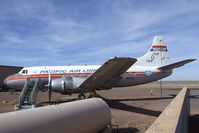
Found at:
[78, 74]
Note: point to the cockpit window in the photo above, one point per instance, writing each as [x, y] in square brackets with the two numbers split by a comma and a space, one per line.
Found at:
[24, 71]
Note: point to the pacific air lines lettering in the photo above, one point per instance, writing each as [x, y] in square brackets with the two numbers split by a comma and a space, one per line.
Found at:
[88, 70]
[75, 71]
[82, 70]
[70, 71]
[52, 71]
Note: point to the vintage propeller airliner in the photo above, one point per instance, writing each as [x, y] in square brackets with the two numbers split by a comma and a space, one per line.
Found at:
[116, 72]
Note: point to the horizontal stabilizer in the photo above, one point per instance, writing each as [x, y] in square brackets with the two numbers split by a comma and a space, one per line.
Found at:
[175, 65]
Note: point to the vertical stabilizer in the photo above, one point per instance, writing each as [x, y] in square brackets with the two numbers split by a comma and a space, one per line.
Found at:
[157, 54]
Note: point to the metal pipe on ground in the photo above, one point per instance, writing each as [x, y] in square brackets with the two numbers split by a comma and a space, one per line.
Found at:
[84, 116]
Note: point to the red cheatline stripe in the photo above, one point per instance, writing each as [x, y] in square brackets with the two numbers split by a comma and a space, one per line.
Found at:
[46, 76]
[67, 74]
[159, 46]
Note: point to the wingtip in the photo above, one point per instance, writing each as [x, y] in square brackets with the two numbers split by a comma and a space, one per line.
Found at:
[192, 60]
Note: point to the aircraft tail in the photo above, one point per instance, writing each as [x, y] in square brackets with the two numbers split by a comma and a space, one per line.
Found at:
[157, 54]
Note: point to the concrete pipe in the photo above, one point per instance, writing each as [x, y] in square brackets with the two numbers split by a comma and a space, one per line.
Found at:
[84, 116]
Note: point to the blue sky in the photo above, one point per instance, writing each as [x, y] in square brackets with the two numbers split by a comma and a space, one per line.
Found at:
[61, 32]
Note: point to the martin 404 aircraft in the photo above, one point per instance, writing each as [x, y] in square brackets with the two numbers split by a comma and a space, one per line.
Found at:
[116, 72]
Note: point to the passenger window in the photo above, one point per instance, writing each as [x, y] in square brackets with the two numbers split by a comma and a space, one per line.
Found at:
[26, 71]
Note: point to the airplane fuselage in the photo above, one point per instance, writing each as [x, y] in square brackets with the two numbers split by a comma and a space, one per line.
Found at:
[135, 75]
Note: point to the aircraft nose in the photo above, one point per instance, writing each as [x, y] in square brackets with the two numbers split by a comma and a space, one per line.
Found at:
[14, 82]
[5, 81]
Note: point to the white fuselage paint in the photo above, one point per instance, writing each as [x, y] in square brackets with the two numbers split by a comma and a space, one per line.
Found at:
[135, 75]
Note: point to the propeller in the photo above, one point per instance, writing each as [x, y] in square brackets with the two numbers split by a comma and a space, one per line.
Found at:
[49, 87]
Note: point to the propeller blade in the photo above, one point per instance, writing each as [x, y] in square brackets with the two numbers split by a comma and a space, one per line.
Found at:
[49, 79]
[49, 87]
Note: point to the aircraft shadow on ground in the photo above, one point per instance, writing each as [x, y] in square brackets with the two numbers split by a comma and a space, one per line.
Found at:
[126, 130]
[122, 106]
[117, 104]
[143, 99]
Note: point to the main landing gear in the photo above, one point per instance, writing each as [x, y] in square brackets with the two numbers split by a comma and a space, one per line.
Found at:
[92, 94]
[82, 96]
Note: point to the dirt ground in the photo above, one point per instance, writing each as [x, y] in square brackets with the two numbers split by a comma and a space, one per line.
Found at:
[133, 109]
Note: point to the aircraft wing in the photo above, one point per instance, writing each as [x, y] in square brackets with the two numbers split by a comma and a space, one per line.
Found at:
[175, 65]
[108, 74]
[5, 71]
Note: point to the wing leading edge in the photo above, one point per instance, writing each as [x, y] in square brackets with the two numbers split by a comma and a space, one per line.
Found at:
[108, 74]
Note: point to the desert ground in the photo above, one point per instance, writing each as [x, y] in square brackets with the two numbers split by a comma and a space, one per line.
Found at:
[133, 109]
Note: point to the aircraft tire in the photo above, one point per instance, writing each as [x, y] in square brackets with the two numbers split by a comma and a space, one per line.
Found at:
[81, 96]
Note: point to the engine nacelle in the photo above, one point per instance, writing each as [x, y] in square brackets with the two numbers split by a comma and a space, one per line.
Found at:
[62, 85]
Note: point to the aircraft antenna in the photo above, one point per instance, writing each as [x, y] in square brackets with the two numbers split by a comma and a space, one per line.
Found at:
[49, 87]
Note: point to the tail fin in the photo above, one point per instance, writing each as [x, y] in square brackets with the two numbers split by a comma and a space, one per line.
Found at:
[157, 54]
